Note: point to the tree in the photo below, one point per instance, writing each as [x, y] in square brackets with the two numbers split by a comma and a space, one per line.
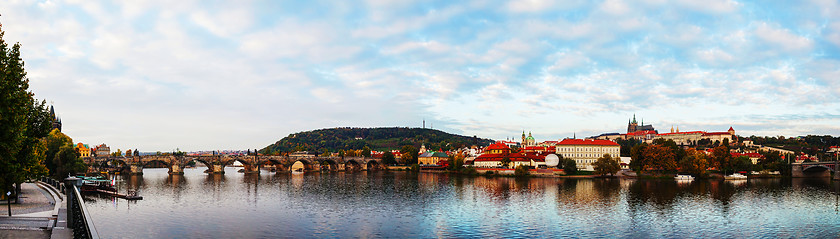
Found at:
[366, 151]
[53, 142]
[505, 161]
[23, 121]
[637, 157]
[456, 162]
[569, 166]
[694, 162]
[409, 154]
[606, 165]
[742, 163]
[722, 158]
[660, 157]
[388, 158]
[521, 171]
[68, 162]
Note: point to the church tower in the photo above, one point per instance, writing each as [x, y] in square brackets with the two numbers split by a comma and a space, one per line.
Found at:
[632, 125]
[56, 124]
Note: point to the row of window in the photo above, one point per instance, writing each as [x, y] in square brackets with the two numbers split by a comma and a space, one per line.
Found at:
[587, 155]
[581, 149]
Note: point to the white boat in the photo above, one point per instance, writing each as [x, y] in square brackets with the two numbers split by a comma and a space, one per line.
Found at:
[680, 177]
[735, 176]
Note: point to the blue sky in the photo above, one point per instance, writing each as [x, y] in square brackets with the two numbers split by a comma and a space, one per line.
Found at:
[200, 75]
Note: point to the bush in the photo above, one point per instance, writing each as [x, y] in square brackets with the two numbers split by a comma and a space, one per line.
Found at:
[488, 173]
[415, 168]
[469, 171]
[521, 171]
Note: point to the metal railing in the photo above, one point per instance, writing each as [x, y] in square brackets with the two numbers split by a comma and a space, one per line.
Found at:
[55, 183]
[78, 217]
[79, 220]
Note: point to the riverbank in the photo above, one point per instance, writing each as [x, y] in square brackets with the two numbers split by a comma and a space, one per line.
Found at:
[40, 213]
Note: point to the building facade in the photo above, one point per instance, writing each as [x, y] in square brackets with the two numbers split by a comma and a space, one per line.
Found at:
[431, 158]
[494, 155]
[102, 151]
[83, 149]
[586, 151]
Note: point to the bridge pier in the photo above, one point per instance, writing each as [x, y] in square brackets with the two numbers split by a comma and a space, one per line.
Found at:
[136, 169]
[176, 169]
[248, 169]
[217, 169]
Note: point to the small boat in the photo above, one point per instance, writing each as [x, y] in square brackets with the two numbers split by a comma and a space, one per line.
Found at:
[735, 176]
[680, 177]
[92, 184]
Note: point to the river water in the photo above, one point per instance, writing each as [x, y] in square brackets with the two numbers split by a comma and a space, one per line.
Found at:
[410, 205]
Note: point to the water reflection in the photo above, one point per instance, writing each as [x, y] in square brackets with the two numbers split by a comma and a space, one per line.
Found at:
[403, 204]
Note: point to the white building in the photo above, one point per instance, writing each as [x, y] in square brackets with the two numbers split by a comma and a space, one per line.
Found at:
[586, 151]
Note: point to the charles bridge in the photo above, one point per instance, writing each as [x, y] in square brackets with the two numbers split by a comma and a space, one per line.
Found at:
[251, 163]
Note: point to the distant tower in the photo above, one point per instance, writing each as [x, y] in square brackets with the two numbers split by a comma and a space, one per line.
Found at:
[56, 124]
[424, 123]
[731, 130]
[672, 128]
[523, 137]
[632, 125]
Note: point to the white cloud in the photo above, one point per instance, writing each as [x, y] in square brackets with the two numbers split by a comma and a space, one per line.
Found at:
[559, 67]
[783, 38]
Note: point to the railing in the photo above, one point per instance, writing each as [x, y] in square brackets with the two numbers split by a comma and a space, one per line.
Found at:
[55, 183]
[78, 217]
[79, 220]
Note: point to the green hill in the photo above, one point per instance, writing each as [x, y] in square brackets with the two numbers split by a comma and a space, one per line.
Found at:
[335, 139]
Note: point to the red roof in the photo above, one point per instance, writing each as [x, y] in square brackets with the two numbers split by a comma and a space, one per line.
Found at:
[497, 145]
[750, 155]
[514, 157]
[687, 132]
[587, 142]
[716, 133]
[645, 132]
[730, 128]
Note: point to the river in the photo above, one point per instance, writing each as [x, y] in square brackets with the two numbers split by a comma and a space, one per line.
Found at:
[411, 205]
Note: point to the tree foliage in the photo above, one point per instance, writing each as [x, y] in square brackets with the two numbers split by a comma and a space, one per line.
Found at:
[381, 139]
[505, 161]
[569, 165]
[388, 158]
[606, 165]
[695, 162]
[409, 154]
[722, 158]
[521, 171]
[22, 121]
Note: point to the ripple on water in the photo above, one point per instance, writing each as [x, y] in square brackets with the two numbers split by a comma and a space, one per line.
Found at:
[399, 204]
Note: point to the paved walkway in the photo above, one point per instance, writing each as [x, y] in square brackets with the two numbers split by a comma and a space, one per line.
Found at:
[36, 215]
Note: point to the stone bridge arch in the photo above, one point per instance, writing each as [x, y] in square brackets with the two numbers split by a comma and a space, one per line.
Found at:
[815, 169]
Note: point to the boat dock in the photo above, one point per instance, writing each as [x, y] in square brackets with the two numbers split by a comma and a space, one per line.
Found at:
[120, 195]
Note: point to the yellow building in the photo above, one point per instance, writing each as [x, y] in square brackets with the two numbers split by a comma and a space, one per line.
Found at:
[431, 158]
[83, 149]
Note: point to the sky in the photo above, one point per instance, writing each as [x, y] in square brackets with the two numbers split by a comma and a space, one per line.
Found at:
[211, 75]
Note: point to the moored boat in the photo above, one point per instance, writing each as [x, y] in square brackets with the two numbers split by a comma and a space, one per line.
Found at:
[735, 176]
[680, 177]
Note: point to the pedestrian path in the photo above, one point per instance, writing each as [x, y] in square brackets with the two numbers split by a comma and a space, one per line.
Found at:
[40, 213]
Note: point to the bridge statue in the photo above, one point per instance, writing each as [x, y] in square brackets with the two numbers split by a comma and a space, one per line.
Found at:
[216, 163]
